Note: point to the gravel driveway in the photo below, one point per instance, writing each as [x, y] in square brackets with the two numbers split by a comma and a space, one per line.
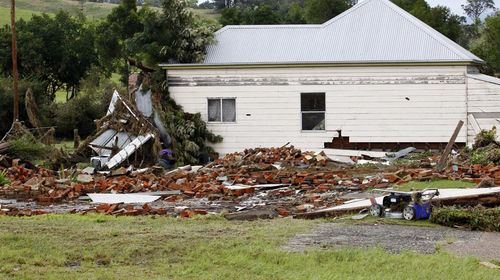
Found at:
[397, 238]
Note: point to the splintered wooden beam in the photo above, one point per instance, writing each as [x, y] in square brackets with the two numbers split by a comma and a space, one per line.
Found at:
[442, 161]
[463, 197]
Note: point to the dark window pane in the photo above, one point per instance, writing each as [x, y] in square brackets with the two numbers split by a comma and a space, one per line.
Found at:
[312, 101]
[214, 110]
[228, 110]
[313, 121]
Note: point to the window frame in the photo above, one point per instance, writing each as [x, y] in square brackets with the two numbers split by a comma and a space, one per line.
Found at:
[302, 114]
[221, 111]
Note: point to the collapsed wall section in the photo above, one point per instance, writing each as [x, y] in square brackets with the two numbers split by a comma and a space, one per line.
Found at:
[483, 94]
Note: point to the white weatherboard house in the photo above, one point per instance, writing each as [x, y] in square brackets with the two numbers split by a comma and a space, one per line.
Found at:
[375, 73]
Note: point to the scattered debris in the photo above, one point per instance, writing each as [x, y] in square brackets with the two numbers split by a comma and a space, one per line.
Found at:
[283, 180]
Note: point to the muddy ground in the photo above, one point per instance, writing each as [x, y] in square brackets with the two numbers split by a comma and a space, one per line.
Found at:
[398, 238]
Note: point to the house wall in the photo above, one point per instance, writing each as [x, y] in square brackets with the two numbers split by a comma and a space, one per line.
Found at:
[484, 105]
[369, 104]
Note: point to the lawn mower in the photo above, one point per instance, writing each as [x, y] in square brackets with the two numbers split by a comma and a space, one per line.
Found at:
[414, 205]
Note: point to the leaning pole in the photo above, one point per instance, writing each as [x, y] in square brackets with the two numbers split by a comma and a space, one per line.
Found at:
[14, 62]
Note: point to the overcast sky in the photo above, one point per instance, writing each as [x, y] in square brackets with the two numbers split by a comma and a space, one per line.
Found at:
[455, 5]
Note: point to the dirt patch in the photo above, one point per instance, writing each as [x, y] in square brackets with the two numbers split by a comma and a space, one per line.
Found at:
[485, 248]
[393, 238]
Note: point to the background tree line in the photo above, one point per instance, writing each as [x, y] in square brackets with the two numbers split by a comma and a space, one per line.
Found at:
[72, 54]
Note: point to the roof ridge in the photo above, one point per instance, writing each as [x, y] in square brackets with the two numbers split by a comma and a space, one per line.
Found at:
[267, 26]
[346, 12]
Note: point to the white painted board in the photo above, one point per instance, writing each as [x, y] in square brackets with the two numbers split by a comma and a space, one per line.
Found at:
[111, 198]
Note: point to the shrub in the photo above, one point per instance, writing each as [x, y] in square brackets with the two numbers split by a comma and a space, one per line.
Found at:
[485, 138]
[6, 100]
[3, 178]
[477, 218]
[485, 155]
[27, 148]
[80, 112]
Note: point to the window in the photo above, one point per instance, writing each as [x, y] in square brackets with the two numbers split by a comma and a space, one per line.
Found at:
[222, 110]
[312, 106]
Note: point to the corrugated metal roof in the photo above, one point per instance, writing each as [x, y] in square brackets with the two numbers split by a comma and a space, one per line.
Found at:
[373, 31]
[103, 144]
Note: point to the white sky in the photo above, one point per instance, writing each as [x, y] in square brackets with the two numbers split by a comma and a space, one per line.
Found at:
[455, 5]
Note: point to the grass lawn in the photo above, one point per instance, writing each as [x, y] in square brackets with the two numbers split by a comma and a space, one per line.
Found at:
[60, 96]
[67, 145]
[92, 10]
[105, 247]
[20, 13]
[435, 184]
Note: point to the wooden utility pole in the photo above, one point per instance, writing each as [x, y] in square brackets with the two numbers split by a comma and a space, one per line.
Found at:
[14, 60]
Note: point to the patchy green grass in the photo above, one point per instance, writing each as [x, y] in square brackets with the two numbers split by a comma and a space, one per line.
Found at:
[91, 10]
[66, 145]
[60, 96]
[435, 184]
[205, 13]
[20, 14]
[105, 247]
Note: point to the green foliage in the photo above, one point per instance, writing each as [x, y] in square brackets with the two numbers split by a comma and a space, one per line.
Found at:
[80, 112]
[475, 8]
[485, 155]
[485, 150]
[6, 100]
[3, 178]
[189, 133]
[120, 25]
[477, 218]
[485, 138]
[186, 36]
[28, 148]
[320, 11]
[58, 50]
[439, 17]
[262, 14]
[487, 46]
[295, 14]
[151, 37]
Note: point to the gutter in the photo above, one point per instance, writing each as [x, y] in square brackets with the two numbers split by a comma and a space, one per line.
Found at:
[312, 65]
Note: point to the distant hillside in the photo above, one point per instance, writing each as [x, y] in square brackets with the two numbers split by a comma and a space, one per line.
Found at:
[91, 9]
[20, 13]
[26, 8]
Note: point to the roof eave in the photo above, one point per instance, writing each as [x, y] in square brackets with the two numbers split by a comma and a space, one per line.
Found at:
[318, 64]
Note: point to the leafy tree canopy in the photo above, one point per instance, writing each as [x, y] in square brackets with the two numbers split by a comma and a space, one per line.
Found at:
[439, 17]
[488, 45]
[57, 50]
[475, 8]
[320, 11]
